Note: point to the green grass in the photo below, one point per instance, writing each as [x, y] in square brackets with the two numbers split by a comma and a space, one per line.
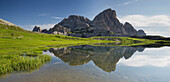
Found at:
[10, 63]
[126, 41]
[15, 42]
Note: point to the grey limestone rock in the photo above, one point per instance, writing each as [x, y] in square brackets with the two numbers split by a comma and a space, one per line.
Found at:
[37, 29]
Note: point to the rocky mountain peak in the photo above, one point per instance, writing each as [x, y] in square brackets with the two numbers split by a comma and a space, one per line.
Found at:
[104, 24]
[127, 24]
[78, 18]
[107, 14]
[37, 29]
[75, 22]
[141, 33]
[7, 23]
[130, 29]
[59, 28]
[107, 21]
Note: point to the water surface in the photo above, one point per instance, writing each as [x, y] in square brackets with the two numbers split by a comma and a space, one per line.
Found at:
[101, 64]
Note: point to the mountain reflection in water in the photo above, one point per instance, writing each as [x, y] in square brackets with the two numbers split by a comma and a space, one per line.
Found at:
[104, 57]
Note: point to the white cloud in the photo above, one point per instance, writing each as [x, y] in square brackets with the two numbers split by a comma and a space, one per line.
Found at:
[126, 3]
[43, 26]
[57, 17]
[150, 57]
[152, 25]
[43, 14]
[144, 60]
[145, 21]
[129, 2]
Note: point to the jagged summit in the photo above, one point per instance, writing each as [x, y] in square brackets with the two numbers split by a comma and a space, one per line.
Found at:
[107, 21]
[75, 22]
[78, 17]
[37, 29]
[106, 13]
[104, 24]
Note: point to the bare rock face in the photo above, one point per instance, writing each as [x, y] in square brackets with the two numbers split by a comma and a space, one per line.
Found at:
[106, 22]
[58, 29]
[44, 31]
[141, 33]
[37, 29]
[129, 29]
[75, 22]
[133, 32]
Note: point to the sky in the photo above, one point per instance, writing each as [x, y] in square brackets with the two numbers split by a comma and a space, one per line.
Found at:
[153, 16]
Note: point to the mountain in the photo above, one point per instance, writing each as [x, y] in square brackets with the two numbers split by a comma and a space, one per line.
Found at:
[10, 26]
[104, 24]
[75, 23]
[37, 29]
[59, 29]
[4, 22]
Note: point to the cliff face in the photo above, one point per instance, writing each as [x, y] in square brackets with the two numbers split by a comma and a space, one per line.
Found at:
[57, 29]
[79, 26]
[107, 22]
[75, 22]
[104, 24]
[130, 29]
[37, 29]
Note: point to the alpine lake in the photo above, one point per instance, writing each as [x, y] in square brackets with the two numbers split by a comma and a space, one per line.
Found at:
[86, 63]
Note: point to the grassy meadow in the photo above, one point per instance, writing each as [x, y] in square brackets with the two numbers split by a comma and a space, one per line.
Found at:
[21, 50]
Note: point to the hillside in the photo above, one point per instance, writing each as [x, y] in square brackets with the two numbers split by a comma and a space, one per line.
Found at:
[4, 22]
[105, 23]
[27, 47]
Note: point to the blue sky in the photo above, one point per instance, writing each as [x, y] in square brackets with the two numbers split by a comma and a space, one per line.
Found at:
[153, 16]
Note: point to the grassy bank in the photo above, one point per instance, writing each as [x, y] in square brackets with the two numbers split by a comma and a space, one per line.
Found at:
[21, 50]
[125, 41]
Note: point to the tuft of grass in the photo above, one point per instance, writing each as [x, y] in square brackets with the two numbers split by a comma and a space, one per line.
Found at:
[11, 64]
